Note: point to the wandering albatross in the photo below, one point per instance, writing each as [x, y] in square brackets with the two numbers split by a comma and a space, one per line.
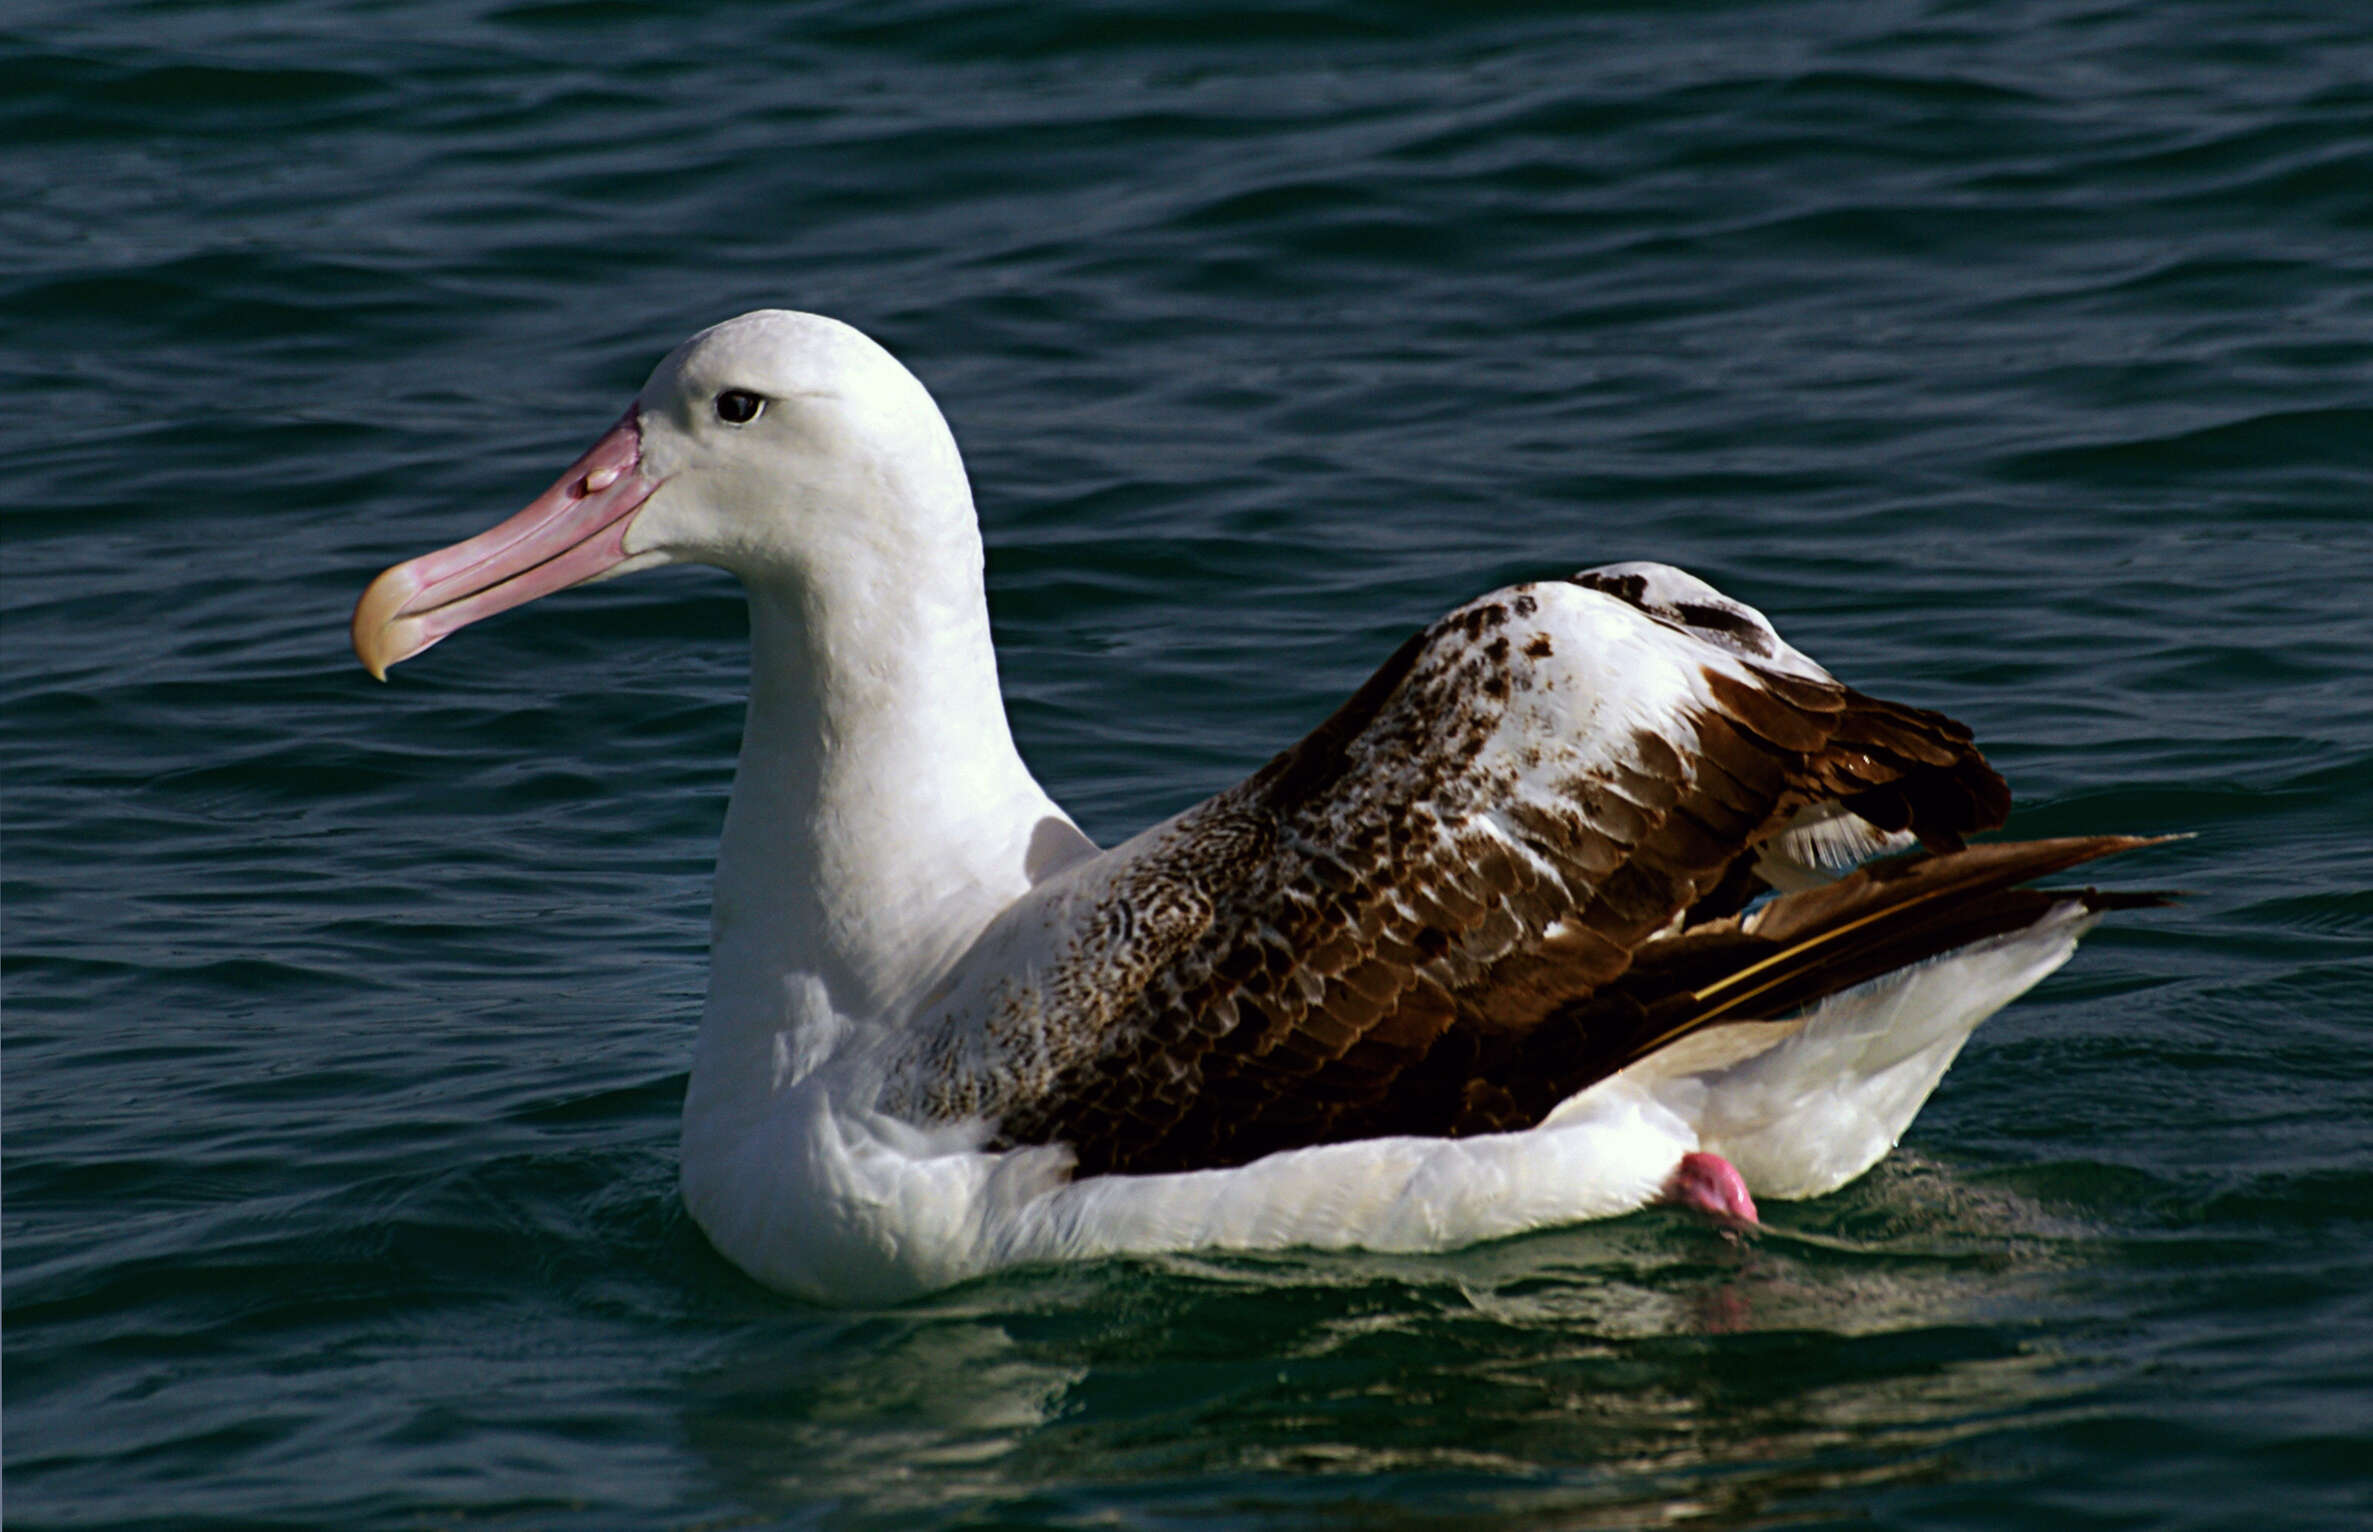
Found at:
[1596, 895]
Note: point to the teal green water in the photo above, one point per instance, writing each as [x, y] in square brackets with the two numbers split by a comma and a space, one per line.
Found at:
[2017, 358]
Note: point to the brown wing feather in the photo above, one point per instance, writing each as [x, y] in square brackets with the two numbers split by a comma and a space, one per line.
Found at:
[1792, 953]
[1408, 930]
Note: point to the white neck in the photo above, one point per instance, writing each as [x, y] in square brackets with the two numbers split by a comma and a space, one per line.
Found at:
[880, 818]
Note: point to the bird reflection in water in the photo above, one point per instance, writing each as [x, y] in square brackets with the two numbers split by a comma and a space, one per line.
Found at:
[1655, 1366]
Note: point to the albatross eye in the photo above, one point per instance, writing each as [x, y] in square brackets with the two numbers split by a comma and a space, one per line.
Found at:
[738, 406]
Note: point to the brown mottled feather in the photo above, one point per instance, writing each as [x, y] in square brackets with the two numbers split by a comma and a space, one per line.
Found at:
[1376, 934]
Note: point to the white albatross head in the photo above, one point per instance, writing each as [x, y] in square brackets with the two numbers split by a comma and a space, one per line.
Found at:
[787, 448]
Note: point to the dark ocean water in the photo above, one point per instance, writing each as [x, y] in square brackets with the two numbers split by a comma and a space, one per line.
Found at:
[2018, 358]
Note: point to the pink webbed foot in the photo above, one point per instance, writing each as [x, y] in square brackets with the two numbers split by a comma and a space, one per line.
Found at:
[1710, 1184]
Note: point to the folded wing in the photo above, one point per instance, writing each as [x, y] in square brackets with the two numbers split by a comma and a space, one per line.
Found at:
[1514, 862]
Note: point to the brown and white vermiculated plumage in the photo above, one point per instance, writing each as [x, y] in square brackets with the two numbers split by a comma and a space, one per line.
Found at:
[1558, 916]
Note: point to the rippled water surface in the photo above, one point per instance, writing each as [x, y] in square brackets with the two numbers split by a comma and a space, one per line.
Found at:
[2018, 358]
